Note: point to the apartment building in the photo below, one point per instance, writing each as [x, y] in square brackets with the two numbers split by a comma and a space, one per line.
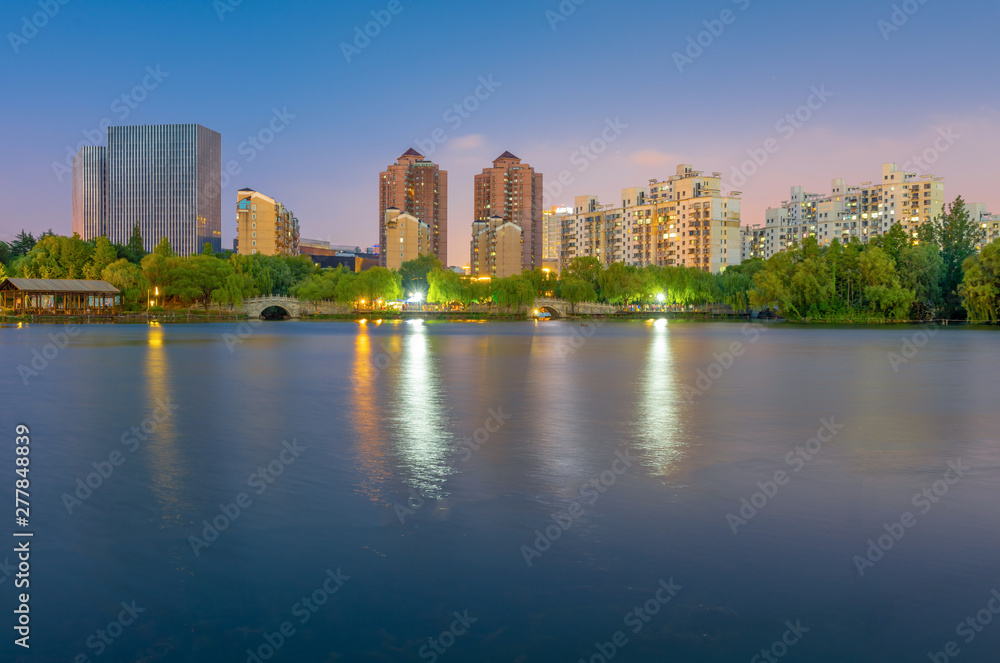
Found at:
[264, 226]
[592, 230]
[512, 191]
[496, 248]
[406, 238]
[418, 187]
[683, 221]
[863, 211]
[751, 242]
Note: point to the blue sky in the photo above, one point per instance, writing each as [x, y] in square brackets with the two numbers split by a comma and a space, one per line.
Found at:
[889, 93]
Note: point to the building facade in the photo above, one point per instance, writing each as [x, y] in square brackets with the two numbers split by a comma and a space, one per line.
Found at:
[496, 248]
[752, 242]
[987, 223]
[406, 238]
[90, 192]
[164, 178]
[592, 230]
[418, 187]
[512, 191]
[863, 211]
[265, 226]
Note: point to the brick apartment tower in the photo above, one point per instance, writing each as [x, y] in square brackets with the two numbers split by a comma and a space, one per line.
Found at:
[512, 191]
[418, 187]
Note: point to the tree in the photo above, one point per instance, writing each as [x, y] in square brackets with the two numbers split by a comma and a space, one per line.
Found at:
[164, 249]
[444, 286]
[958, 238]
[22, 245]
[980, 287]
[575, 290]
[586, 268]
[135, 244]
[104, 255]
[4, 253]
[414, 273]
[883, 290]
[380, 283]
[920, 270]
[55, 257]
[129, 278]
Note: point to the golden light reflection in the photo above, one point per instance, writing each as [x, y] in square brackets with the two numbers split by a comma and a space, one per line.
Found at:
[660, 433]
[420, 415]
[161, 443]
[374, 464]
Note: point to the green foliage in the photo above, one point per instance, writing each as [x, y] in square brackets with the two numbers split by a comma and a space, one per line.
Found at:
[444, 286]
[22, 245]
[104, 255]
[129, 278]
[575, 290]
[5, 256]
[958, 238]
[57, 257]
[414, 273]
[513, 291]
[980, 287]
[164, 249]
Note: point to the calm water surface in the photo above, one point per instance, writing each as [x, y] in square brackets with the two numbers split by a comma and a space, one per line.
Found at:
[387, 490]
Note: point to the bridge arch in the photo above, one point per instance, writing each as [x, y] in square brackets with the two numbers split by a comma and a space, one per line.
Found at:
[551, 310]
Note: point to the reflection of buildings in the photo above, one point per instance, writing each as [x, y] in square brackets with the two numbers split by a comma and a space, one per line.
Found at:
[375, 467]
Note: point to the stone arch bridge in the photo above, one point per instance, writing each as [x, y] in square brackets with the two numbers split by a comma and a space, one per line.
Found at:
[561, 307]
[292, 306]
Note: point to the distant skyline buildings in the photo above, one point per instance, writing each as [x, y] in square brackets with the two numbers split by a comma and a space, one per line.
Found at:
[164, 178]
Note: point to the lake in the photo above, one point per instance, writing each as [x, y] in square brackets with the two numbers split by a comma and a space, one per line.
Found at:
[517, 492]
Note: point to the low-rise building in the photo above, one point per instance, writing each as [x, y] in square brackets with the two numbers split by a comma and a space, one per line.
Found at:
[496, 248]
[406, 238]
[265, 226]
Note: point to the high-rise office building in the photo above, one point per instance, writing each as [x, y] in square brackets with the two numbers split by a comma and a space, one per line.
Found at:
[265, 226]
[418, 187]
[164, 178]
[90, 192]
[512, 191]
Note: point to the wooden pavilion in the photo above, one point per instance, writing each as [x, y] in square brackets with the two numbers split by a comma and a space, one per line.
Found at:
[59, 297]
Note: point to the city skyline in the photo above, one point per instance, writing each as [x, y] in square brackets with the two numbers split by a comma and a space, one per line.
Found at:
[535, 99]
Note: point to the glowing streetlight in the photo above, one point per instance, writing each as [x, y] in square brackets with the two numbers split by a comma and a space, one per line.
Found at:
[660, 297]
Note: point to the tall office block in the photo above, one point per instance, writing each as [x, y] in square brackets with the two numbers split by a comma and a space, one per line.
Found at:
[166, 178]
[418, 187]
[90, 190]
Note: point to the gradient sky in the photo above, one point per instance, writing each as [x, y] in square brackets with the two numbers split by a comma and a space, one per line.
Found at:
[558, 87]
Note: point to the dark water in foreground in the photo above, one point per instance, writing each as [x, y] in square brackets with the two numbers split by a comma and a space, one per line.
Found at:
[381, 415]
